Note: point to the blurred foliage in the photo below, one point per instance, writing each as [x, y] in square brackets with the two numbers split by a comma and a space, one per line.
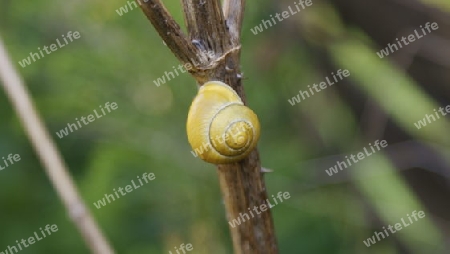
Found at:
[116, 60]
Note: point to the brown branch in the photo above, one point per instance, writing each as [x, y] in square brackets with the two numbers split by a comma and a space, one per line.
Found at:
[170, 32]
[190, 19]
[241, 183]
[243, 187]
[198, 12]
[234, 15]
[210, 28]
[50, 157]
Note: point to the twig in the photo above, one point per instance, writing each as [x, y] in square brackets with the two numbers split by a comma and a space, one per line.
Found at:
[201, 12]
[234, 15]
[170, 32]
[50, 157]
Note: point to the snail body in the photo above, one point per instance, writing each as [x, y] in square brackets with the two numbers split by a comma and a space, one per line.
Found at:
[220, 128]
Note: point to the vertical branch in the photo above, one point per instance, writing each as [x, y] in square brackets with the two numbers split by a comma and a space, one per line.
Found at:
[234, 15]
[50, 157]
[207, 23]
[190, 19]
[243, 188]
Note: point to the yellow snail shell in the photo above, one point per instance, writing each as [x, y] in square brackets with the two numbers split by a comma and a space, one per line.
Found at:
[220, 128]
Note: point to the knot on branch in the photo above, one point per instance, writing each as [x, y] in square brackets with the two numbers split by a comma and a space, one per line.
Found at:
[208, 63]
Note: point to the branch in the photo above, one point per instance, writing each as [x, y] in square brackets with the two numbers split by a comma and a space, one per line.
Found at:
[207, 24]
[170, 32]
[50, 157]
[243, 187]
[190, 19]
[234, 15]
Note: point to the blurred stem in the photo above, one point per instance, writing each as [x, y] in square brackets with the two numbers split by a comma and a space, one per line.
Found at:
[50, 157]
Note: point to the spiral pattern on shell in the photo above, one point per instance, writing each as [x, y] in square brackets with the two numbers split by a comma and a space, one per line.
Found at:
[220, 128]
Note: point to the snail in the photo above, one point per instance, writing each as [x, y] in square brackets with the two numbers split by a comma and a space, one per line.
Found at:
[220, 128]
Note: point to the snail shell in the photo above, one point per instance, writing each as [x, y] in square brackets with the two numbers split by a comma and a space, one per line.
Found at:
[220, 128]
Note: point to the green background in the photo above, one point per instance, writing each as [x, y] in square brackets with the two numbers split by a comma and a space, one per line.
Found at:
[116, 60]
